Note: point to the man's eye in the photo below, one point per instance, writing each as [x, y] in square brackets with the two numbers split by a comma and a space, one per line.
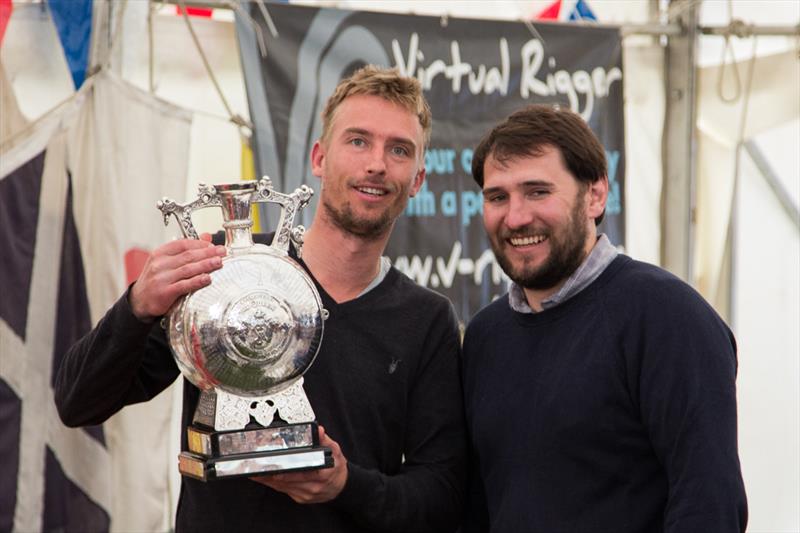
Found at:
[357, 142]
[400, 150]
[495, 198]
[537, 193]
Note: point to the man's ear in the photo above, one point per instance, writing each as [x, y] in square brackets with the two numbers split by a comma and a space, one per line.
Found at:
[419, 179]
[598, 194]
[317, 158]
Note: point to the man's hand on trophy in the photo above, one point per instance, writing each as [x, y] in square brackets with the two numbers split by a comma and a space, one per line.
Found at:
[172, 270]
[316, 486]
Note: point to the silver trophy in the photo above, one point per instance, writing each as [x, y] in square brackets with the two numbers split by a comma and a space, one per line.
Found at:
[246, 340]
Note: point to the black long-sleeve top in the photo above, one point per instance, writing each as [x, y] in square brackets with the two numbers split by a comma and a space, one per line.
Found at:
[385, 385]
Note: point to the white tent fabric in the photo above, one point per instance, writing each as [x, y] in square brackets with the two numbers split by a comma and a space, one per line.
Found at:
[773, 100]
[761, 273]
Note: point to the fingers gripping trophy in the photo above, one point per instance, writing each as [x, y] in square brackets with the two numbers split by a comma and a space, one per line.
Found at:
[246, 340]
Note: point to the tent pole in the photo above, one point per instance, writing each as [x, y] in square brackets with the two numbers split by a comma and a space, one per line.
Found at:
[678, 186]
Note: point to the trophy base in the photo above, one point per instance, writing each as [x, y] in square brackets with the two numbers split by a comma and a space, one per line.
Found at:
[258, 464]
[252, 452]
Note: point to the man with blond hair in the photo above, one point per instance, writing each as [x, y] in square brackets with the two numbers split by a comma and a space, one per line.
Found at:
[385, 384]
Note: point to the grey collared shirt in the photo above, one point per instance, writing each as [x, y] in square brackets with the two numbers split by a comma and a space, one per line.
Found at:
[595, 263]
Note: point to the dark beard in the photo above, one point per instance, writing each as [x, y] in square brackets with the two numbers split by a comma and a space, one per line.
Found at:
[566, 255]
[364, 228]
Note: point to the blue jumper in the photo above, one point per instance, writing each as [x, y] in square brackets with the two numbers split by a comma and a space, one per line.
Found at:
[612, 412]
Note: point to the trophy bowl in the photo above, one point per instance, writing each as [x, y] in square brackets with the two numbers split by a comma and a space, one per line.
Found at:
[253, 331]
[258, 326]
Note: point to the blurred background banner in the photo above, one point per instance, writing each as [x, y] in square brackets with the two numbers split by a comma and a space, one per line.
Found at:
[474, 73]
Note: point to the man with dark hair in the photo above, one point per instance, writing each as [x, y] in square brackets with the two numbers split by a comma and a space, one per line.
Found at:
[600, 391]
[385, 383]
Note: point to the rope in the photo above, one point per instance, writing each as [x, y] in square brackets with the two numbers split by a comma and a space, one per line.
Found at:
[734, 28]
[727, 51]
[533, 30]
[262, 47]
[150, 49]
[731, 233]
[264, 13]
[235, 118]
[117, 35]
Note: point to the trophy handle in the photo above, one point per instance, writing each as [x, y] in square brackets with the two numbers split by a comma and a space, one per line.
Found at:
[236, 199]
[207, 197]
[290, 205]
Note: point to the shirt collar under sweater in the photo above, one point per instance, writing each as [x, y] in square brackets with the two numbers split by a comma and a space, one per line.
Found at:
[595, 263]
[386, 264]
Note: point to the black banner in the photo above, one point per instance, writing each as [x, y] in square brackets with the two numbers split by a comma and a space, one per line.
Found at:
[474, 73]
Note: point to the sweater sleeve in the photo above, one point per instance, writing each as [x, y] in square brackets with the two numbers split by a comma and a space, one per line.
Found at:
[427, 494]
[120, 362]
[686, 379]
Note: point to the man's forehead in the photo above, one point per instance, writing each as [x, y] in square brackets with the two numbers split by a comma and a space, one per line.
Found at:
[352, 103]
[402, 123]
[527, 169]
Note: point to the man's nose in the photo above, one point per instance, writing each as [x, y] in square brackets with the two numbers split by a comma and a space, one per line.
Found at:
[376, 162]
[520, 213]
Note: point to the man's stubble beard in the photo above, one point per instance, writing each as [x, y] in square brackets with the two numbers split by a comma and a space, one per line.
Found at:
[566, 254]
[347, 221]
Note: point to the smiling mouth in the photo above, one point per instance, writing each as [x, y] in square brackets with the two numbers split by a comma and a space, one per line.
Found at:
[527, 240]
[372, 191]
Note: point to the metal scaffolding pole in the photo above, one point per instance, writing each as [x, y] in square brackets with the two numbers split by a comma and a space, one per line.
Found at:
[679, 143]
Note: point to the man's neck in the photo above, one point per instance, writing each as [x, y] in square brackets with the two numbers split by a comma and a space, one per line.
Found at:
[344, 264]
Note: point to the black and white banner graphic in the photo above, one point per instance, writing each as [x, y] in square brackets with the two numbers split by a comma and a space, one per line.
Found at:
[474, 73]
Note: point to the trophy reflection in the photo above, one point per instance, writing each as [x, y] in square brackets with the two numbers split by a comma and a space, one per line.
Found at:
[246, 340]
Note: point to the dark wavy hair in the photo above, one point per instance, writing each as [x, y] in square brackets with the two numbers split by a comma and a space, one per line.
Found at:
[530, 130]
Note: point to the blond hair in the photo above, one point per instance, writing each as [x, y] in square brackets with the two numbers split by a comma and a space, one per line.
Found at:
[386, 83]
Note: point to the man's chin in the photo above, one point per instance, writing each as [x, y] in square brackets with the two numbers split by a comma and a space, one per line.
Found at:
[529, 277]
[367, 228]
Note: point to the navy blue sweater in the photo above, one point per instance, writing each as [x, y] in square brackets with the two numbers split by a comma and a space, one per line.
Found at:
[612, 412]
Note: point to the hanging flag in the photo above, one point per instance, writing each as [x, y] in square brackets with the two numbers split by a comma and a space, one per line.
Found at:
[5, 14]
[74, 241]
[73, 21]
[551, 12]
[196, 11]
[116, 191]
[224, 15]
[582, 11]
[51, 478]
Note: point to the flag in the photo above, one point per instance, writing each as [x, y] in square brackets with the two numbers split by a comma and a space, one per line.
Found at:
[551, 12]
[5, 15]
[77, 219]
[128, 150]
[73, 21]
[582, 11]
[53, 478]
